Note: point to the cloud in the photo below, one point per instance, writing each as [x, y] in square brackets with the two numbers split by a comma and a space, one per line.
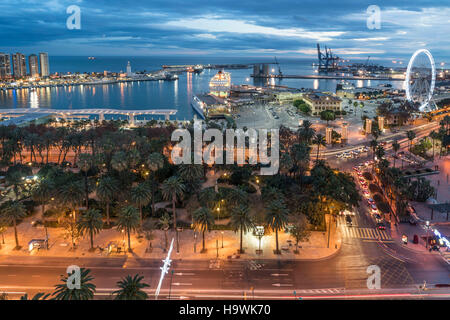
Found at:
[217, 24]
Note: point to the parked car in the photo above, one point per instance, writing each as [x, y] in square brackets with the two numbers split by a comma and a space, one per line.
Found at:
[381, 226]
[348, 219]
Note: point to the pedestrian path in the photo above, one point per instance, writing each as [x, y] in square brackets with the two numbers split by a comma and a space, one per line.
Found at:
[365, 233]
[446, 256]
[320, 291]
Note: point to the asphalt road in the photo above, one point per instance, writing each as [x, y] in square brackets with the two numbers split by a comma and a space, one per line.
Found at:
[342, 276]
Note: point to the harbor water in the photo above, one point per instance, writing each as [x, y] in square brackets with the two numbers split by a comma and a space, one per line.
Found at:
[156, 94]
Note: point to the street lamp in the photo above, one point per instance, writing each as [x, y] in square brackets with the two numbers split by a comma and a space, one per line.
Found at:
[259, 233]
[427, 225]
[222, 238]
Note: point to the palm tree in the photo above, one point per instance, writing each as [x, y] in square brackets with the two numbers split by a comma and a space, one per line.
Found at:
[410, 135]
[277, 219]
[91, 222]
[203, 220]
[241, 221]
[119, 161]
[13, 211]
[155, 162]
[85, 162]
[131, 288]
[433, 136]
[395, 147]
[107, 190]
[164, 224]
[306, 132]
[373, 145]
[141, 196]
[43, 193]
[173, 189]
[37, 296]
[15, 179]
[128, 220]
[71, 195]
[318, 140]
[85, 291]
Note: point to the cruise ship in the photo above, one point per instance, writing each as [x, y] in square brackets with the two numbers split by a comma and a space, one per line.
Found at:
[198, 106]
[220, 84]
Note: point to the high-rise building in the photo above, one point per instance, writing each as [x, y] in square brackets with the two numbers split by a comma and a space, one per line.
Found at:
[129, 74]
[33, 65]
[19, 65]
[5, 65]
[45, 68]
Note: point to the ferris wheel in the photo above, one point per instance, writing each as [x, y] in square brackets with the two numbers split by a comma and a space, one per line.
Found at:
[420, 80]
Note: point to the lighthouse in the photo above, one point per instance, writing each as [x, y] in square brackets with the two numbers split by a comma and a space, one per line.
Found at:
[129, 74]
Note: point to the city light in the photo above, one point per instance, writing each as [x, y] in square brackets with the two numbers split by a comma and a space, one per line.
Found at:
[164, 269]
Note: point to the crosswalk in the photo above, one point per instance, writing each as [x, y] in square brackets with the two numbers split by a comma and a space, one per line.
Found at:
[320, 291]
[366, 233]
[446, 256]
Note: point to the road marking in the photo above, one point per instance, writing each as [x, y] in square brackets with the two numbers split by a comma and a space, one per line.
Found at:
[279, 274]
[282, 284]
[184, 273]
[12, 275]
[181, 284]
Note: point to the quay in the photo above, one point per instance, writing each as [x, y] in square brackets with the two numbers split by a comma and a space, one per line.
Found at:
[329, 77]
[39, 112]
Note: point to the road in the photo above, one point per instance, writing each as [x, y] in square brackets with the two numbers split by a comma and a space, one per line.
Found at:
[342, 276]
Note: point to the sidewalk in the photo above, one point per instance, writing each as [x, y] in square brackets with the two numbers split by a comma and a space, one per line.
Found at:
[60, 245]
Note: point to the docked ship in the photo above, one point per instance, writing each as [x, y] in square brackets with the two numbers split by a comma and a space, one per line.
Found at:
[198, 106]
[220, 84]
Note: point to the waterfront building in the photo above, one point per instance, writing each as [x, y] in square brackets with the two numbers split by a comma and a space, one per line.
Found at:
[19, 65]
[33, 65]
[43, 61]
[381, 123]
[329, 135]
[5, 65]
[344, 134]
[129, 73]
[368, 126]
[320, 102]
[220, 84]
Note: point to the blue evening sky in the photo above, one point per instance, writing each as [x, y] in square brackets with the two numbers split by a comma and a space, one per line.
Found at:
[226, 27]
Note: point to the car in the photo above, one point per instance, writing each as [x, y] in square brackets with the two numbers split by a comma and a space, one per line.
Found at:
[370, 201]
[356, 169]
[381, 226]
[366, 193]
[348, 219]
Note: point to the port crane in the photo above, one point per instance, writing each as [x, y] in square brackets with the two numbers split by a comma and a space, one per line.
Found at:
[327, 61]
[279, 68]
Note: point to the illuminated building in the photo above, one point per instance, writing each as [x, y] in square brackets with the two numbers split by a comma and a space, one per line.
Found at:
[33, 65]
[5, 66]
[43, 61]
[320, 102]
[19, 65]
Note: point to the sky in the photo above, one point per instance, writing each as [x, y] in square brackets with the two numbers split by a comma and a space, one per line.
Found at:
[285, 28]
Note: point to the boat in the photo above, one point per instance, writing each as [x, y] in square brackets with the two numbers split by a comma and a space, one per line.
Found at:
[198, 106]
